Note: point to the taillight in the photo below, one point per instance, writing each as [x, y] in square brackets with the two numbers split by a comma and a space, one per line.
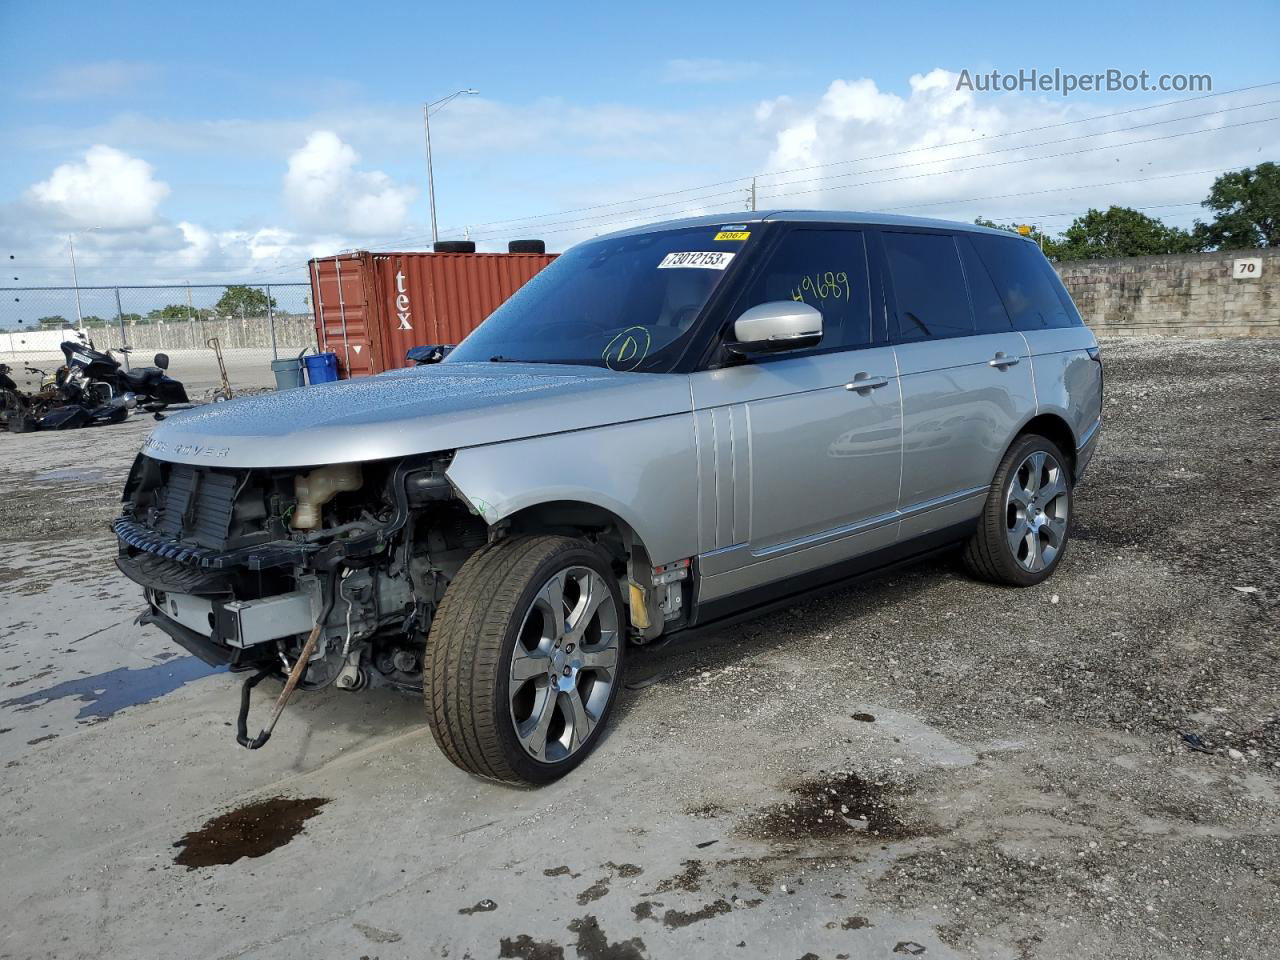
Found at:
[1095, 353]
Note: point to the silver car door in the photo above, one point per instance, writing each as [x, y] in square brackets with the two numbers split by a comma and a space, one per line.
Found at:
[965, 375]
[799, 453]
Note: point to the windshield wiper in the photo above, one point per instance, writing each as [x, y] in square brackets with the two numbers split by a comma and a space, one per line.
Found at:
[501, 359]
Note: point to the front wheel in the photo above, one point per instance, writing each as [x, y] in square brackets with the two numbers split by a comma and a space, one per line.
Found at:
[1022, 532]
[524, 658]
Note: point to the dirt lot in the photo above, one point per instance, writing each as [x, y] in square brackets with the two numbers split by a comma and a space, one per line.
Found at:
[921, 765]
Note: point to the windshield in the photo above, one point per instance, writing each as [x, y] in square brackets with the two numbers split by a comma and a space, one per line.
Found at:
[626, 303]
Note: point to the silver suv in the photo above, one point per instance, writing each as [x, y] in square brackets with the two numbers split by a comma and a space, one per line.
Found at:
[666, 427]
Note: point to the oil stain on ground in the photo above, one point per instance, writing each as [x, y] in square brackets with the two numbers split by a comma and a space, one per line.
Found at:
[106, 693]
[247, 832]
[833, 806]
[592, 944]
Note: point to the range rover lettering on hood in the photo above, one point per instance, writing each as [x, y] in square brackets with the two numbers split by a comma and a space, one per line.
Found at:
[158, 448]
[419, 410]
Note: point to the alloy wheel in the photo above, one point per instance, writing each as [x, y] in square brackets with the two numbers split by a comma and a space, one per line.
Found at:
[564, 664]
[1036, 507]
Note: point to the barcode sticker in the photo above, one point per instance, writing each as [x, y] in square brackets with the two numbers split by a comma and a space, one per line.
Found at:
[709, 260]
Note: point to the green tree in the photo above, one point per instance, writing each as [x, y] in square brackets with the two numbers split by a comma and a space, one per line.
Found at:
[177, 311]
[92, 320]
[1246, 208]
[54, 322]
[243, 301]
[1047, 243]
[1121, 232]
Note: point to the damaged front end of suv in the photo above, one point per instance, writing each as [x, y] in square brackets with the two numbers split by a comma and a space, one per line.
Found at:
[483, 521]
[249, 567]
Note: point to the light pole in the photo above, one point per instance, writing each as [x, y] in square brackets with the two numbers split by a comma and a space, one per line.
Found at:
[426, 125]
[75, 281]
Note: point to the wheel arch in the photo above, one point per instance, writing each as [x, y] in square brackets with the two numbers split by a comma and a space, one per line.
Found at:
[610, 530]
[1052, 427]
[569, 515]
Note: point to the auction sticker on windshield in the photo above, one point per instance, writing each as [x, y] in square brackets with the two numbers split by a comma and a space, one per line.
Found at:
[709, 260]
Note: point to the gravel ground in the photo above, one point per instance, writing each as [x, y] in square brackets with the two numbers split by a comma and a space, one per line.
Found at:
[919, 765]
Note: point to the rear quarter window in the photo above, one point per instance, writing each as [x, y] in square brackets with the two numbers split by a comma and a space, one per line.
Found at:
[1032, 293]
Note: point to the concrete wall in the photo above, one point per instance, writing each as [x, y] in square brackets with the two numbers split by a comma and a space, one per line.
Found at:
[1191, 295]
[292, 334]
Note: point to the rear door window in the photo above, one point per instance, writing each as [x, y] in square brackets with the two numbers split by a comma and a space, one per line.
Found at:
[928, 285]
[1022, 277]
[827, 269]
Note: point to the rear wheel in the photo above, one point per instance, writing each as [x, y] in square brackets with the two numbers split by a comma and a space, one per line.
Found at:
[1022, 533]
[524, 658]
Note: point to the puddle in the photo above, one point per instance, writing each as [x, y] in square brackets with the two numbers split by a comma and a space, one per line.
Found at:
[524, 947]
[73, 475]
[104, 694]
[250, 831]
[838, 805]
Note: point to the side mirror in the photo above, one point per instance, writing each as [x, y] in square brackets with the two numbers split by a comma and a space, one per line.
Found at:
[162, 361]
[776, 326]
[429, 353]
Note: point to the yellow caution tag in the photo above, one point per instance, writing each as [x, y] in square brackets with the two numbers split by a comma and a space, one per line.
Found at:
[733, 235]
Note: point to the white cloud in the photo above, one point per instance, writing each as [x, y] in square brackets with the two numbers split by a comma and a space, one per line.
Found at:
[921, 149]
[708, 70]
[323, 189]
[104, 78]
[929, 151]
[108, 189]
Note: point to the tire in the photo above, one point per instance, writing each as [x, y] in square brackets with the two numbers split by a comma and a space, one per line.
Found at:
[1023, 531]
[454, 246]
[496, 645]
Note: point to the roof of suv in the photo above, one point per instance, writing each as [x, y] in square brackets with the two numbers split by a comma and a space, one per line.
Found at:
[811, 216]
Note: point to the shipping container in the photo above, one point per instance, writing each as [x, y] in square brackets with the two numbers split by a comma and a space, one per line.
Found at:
[370, 308]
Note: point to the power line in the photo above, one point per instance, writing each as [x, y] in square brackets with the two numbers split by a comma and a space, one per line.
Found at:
[1042, 143]
[1050, 156]
[597, 221]
[594, 222]
[1002, 196]
[881, 156]
[268, 272]
[522, 223]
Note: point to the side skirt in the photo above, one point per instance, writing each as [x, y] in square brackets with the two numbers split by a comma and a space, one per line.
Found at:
[717, 614]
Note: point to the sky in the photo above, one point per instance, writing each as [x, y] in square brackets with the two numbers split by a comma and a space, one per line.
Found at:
[230, 142]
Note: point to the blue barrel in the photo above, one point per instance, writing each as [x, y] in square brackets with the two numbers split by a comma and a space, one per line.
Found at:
[321, 367]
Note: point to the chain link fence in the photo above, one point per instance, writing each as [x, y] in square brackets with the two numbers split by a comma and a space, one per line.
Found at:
[251, 324]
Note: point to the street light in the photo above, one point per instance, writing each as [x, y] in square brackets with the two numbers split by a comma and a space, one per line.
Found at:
[75, 281]
[426, 124]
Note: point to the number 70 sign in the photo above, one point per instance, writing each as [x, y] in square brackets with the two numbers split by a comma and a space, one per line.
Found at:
[1249, 269]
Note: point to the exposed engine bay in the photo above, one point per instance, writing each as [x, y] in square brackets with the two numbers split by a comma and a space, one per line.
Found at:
[345, 564]
[239, 565]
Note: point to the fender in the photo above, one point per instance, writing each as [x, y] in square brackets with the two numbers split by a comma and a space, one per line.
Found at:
[644, 472]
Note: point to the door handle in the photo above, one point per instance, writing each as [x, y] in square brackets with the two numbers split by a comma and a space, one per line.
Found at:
[1002, 361]
[865, 382]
